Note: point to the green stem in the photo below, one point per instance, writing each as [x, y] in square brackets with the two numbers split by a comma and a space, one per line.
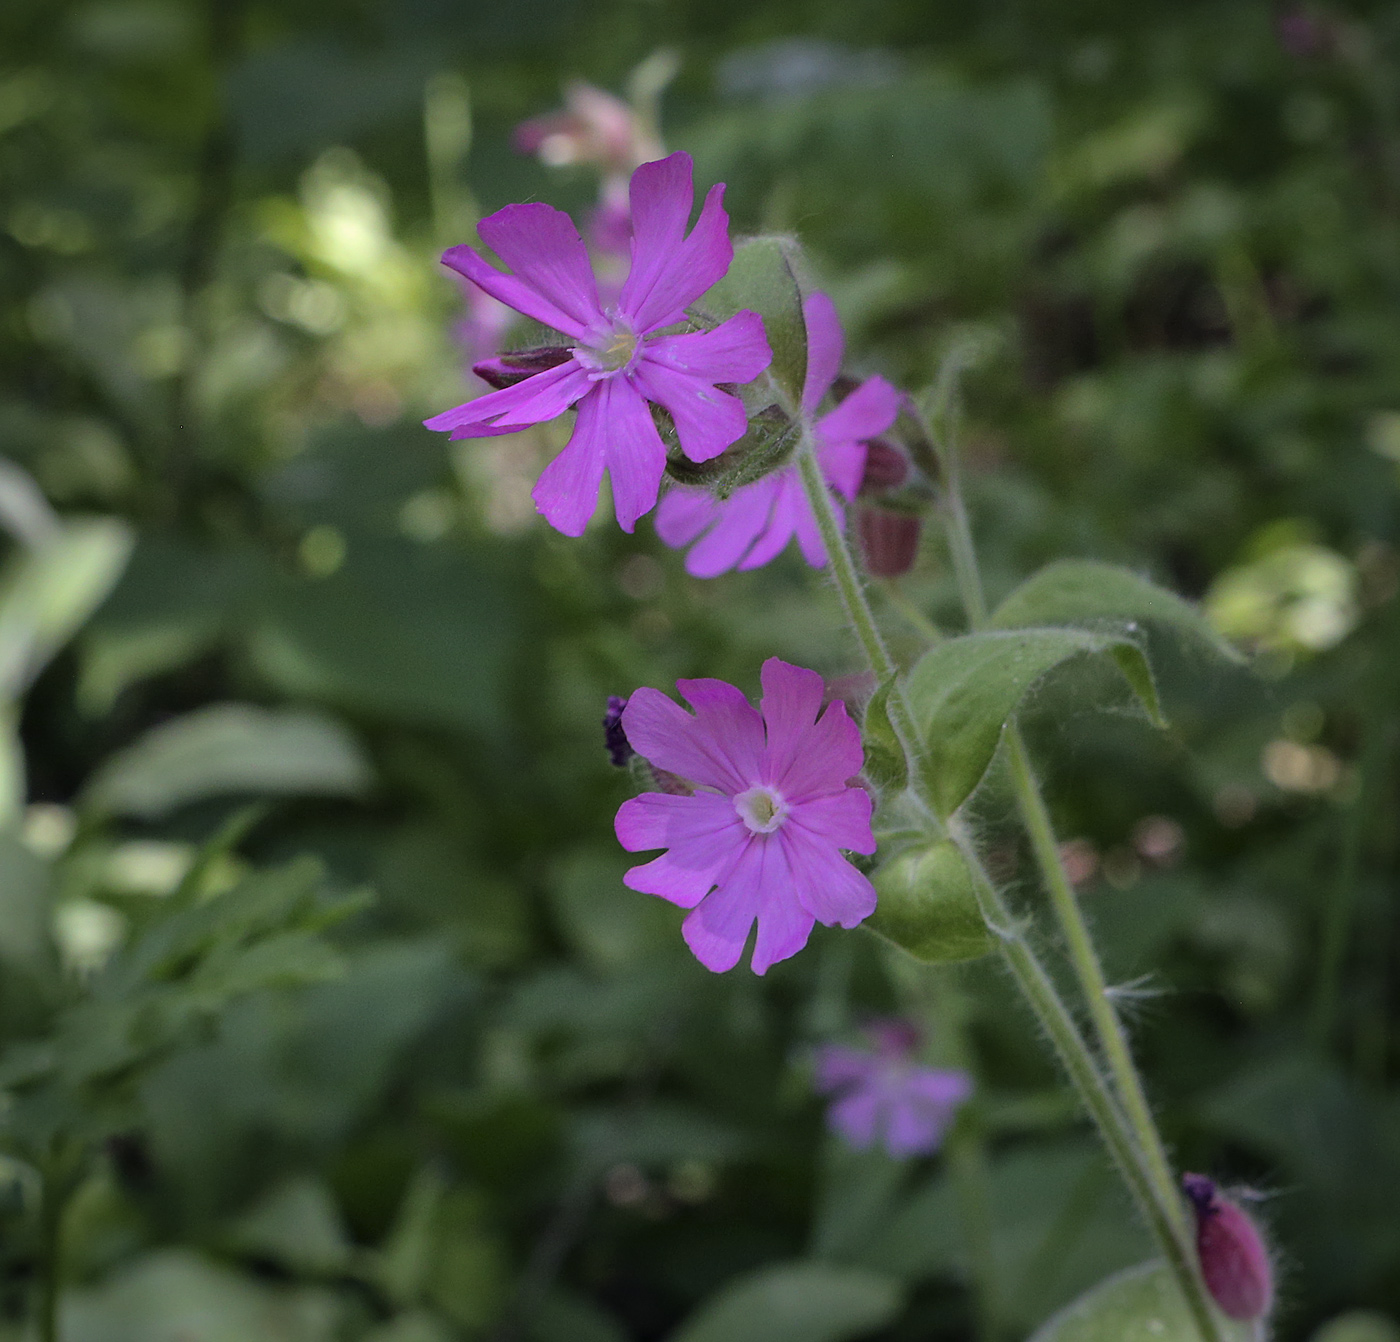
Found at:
[53, 1197]
[1162, 1213]
[1113, 1040]
[1078, 1060]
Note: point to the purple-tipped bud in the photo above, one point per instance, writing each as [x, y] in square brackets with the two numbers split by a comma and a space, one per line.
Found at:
[886, 467]
[889, 540]
[619, 748]
[1234, 1261]
[506, 370]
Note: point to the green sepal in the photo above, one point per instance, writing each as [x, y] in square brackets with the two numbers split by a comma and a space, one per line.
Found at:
[928, 906]
[964, 692]
[763, 279]
[885, 765]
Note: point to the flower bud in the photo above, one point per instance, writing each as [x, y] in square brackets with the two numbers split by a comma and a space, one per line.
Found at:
[505, 370]
[890, 541]
[619, 747]
[886, 467]
[1234, 1261]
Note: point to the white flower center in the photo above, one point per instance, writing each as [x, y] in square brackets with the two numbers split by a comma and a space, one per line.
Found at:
[761, 808]
[614, 353]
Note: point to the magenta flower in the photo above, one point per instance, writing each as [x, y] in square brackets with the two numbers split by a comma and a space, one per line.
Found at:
[619, 361]
[886, 1096]
[1234, 1261]
[755, 523]
[762, 835]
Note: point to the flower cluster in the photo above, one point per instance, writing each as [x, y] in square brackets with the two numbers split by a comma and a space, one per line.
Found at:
[883, 1095]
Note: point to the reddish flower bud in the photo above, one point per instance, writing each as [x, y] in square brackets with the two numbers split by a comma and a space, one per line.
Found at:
[886, 467]
[506, 370]
[890, 541]
[1234, 1261]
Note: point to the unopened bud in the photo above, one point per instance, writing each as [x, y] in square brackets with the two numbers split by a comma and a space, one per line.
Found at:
[890, 541]
[619, 747]
[1234, 1261]
[505, 370]
[886, 467]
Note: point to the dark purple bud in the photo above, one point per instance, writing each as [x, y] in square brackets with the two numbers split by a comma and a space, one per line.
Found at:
[894, 1037]
[890, 541]
[886, 467]
[1234, 1261]
[505, 370]
[619, 748]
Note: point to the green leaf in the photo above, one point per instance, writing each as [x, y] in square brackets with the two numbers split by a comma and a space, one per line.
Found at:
[885, 765]
[1082, 591]
[964, 692]
[50, 590]
[1140, 1304]
[796, 1302]
[763, 279]
[1358, 1325]
[927, 905]
[230, 748]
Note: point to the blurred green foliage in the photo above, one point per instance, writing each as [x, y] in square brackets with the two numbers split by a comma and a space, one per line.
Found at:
[396, 1057]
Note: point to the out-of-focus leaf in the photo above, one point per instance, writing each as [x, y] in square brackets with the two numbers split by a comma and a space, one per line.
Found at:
[1139, 1304]
[657, 1135]
[964, 691]
[927, 905]
[566, 1317]
[12, 768]
[796, 1302]
[48, 591]
[24, 903]
[297, 1226]
[1081, 591]
[174, 1295]
[763, 279]
[600, 918]
[230, 748]
[1359, 1325]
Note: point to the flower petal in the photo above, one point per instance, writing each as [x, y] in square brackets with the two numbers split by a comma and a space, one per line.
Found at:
[857, 1116]
[734, 351]
[703, 833]
[825, 347]
[542, 246]
[788, 503]
[938, 1086]
[538, 398]
[827, 886]
[792, 698]
[831, 753]
[662, 732]
[567, 490]
[784, 925]
[717, 929]
[741, 519]
[838, 1066]
[731, 722]
[841, 819]
[683, 514]
[633, 449]
[670, 272]
[512, 291]
[912, 1129]
[866, 412]
[809, 538]
[707, 419]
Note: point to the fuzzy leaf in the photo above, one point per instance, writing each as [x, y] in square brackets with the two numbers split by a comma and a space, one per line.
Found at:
[927, 905]
[1082, 591]
[965, 691]
[885, 764]
[762, 278]
[1139, 1304]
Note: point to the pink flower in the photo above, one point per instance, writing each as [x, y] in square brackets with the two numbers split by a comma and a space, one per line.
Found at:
[1234, 1261]
[594, 127]
[619, 362]
[762, 836]
[755, 523]
[885, 1096]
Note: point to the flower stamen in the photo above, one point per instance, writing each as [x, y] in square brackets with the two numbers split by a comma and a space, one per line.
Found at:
[761, 809]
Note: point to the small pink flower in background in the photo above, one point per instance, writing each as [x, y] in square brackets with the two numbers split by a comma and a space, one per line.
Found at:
[762, 836]
[1234, 1261]
[593, 127]
[755, 523]
[619, 363]
[885, 1096]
